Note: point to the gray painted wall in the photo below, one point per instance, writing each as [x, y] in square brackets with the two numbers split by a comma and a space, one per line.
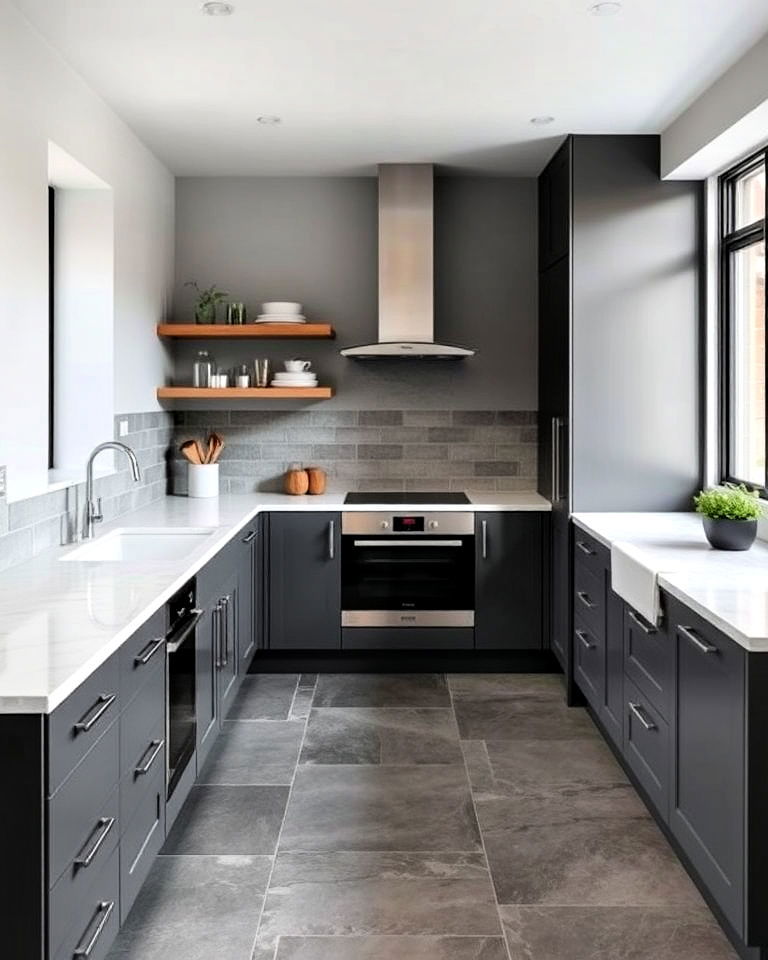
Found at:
[314, 240]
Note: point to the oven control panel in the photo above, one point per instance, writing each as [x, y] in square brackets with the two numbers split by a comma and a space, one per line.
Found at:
[457, 523]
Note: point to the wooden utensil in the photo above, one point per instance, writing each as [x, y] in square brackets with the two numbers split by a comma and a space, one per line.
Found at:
[200, 453]
[215, 446]
[191, 450]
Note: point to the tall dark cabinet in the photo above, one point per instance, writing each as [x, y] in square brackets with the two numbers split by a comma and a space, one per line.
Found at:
[619, 342]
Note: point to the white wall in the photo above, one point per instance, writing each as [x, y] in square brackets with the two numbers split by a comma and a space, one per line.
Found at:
[728, 121]
[42, 99]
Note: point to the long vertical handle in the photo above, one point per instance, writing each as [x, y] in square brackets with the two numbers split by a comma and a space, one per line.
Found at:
[226, 601]
[331, 539]
[555, 457]
[484, 531]
[217, 635]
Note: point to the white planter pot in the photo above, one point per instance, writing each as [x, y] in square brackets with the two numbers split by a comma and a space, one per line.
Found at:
[203, 480]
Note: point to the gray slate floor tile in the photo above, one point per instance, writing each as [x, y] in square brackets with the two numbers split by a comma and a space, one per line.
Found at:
[254, 752]
[523, 718]
[187, 902]
[382, 690]
[495, 686]
[390, 735]
[379, 893]
[265, 697]
[610, 933]
[228, 820]
[380, 808]
[401, 947]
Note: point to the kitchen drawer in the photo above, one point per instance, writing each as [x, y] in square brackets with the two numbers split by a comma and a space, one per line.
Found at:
[141, 653]
[77, 724]
[81, 802]
[589, 598]
[140, 719]
[647, 746]
[94, 920]
[649, 660]
[589, 662]
[142, 838]
[137, 779]
[589, 552]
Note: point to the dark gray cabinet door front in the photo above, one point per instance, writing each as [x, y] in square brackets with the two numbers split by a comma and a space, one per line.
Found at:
[509, 580]
[208, 631]
[304, 581]
[707, 808]
[612, 710]
[246, 600]
[226, 661]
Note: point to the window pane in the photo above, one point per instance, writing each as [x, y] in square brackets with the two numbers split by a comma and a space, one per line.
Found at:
[748, 373]
[750, 198]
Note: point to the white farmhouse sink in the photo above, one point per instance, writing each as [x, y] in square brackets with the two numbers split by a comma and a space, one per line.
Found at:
[137, 544]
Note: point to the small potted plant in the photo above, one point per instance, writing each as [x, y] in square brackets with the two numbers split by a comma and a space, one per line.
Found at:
[730, 513]
[205, 308]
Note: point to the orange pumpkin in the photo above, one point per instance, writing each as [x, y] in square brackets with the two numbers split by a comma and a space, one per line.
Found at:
[296, 482]
[317, 480]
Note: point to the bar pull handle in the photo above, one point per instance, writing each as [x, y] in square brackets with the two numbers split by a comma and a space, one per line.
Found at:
[95, 713]
[585, 548]
[176, 639]
[555, 458]
[640, 623]
[701, 645]
[85, 857]
[584, 597]
[100, 920]
[484, 531]
[217, 635]
[149, 651]
[331, 539]
[154, 752]
[250, 538]
[637, 710]
[225, 611]
[584, 637]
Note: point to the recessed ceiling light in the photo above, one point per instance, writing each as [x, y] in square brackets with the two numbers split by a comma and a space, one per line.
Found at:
[605, 8]
[269, 120]
[218, 8]
[542, 121]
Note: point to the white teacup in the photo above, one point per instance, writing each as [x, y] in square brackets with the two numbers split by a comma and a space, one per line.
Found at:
[297, 366]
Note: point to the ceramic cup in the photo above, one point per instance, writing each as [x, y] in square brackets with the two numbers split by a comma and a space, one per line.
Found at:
[297, 366]
[202, 480]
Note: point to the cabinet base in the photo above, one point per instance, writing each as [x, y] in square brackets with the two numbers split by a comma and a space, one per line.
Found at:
[402, 661]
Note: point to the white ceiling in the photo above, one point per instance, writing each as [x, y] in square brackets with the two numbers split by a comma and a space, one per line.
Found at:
[359, 82]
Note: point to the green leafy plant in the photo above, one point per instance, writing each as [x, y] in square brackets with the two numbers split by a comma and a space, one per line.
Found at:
[207, 299]
[731, 501]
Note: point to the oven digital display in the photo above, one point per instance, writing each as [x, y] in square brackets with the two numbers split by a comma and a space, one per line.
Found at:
[408, 524]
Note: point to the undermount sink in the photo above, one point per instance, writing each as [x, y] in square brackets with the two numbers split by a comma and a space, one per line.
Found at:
[136, 544]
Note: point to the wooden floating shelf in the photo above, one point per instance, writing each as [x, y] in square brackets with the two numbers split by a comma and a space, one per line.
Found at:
[247, 331]
[243, 393]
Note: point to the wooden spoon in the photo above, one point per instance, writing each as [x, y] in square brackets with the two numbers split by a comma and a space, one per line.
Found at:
[190, 449]
[217, 445]
[201, 457]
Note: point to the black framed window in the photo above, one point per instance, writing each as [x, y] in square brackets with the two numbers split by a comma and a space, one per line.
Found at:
[51, 321]
[743, 442]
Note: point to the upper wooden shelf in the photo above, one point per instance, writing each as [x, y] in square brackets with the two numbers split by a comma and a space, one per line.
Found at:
[247, 331]
[243, 393]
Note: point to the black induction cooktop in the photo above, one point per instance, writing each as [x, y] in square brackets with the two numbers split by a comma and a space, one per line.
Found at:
[414, 498]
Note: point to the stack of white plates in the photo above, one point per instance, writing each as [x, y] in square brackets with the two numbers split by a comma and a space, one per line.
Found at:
[286, 379]
[281, 318]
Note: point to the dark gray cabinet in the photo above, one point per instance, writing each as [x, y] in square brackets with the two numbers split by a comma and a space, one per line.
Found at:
[509, 580]
[304, 592]
[707, 811]
[612, 709]
[248, 600]
[647, 746]
[554, 206]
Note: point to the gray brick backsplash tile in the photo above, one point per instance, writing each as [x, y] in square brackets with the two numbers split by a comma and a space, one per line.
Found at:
[23, 513]
[241, 451]
[473, 417]
[426, 451]
[380, 451]
[286, 451]
[426, 418]
[404, 434]
[481, 484]
[358, 434]
[515, 484]
[334, 451]
[529, 435]
[310, 434]
[518, 417]
[496, 468]
[381, 486]
[471, 451]
[380, 418]
[16, 547]
[449, 434]
[427, 485]
[334, 418]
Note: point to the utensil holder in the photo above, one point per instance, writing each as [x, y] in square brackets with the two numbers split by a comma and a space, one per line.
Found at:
[203, 480]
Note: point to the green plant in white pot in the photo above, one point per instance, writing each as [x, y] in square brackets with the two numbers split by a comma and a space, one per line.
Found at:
[207, 300]
[730, 513]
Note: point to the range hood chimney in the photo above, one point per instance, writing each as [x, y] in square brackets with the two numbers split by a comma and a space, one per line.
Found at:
[406, 269]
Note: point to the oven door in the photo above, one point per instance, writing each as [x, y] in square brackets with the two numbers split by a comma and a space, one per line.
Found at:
[411, 580]
[180, 718]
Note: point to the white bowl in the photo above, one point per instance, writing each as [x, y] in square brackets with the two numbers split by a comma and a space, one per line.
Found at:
[281, 307]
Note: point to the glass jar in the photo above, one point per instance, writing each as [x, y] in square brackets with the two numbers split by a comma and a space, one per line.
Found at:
[202, 369]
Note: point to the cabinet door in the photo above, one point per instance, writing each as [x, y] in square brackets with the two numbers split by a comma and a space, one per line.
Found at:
[555, 208]
[612, 709]
[509, 581]
[246, 599]
[226, 662]
[304, 581]
[560, 588]
[208, 633]
[707, 809]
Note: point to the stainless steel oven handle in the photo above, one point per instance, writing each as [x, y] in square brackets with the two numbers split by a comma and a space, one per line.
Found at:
[484, 528]
[407, 543]
[178, 637]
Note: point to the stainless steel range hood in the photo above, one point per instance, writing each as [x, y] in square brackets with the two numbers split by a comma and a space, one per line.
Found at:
[406, 269]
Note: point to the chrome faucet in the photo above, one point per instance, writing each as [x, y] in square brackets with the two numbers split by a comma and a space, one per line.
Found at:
[93, 512]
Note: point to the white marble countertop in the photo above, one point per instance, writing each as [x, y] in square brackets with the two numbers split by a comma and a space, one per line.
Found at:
[60, 621]
[729, 589]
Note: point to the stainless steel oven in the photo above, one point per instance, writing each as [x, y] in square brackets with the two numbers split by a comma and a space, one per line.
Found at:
[408, 569]
[180, 709]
